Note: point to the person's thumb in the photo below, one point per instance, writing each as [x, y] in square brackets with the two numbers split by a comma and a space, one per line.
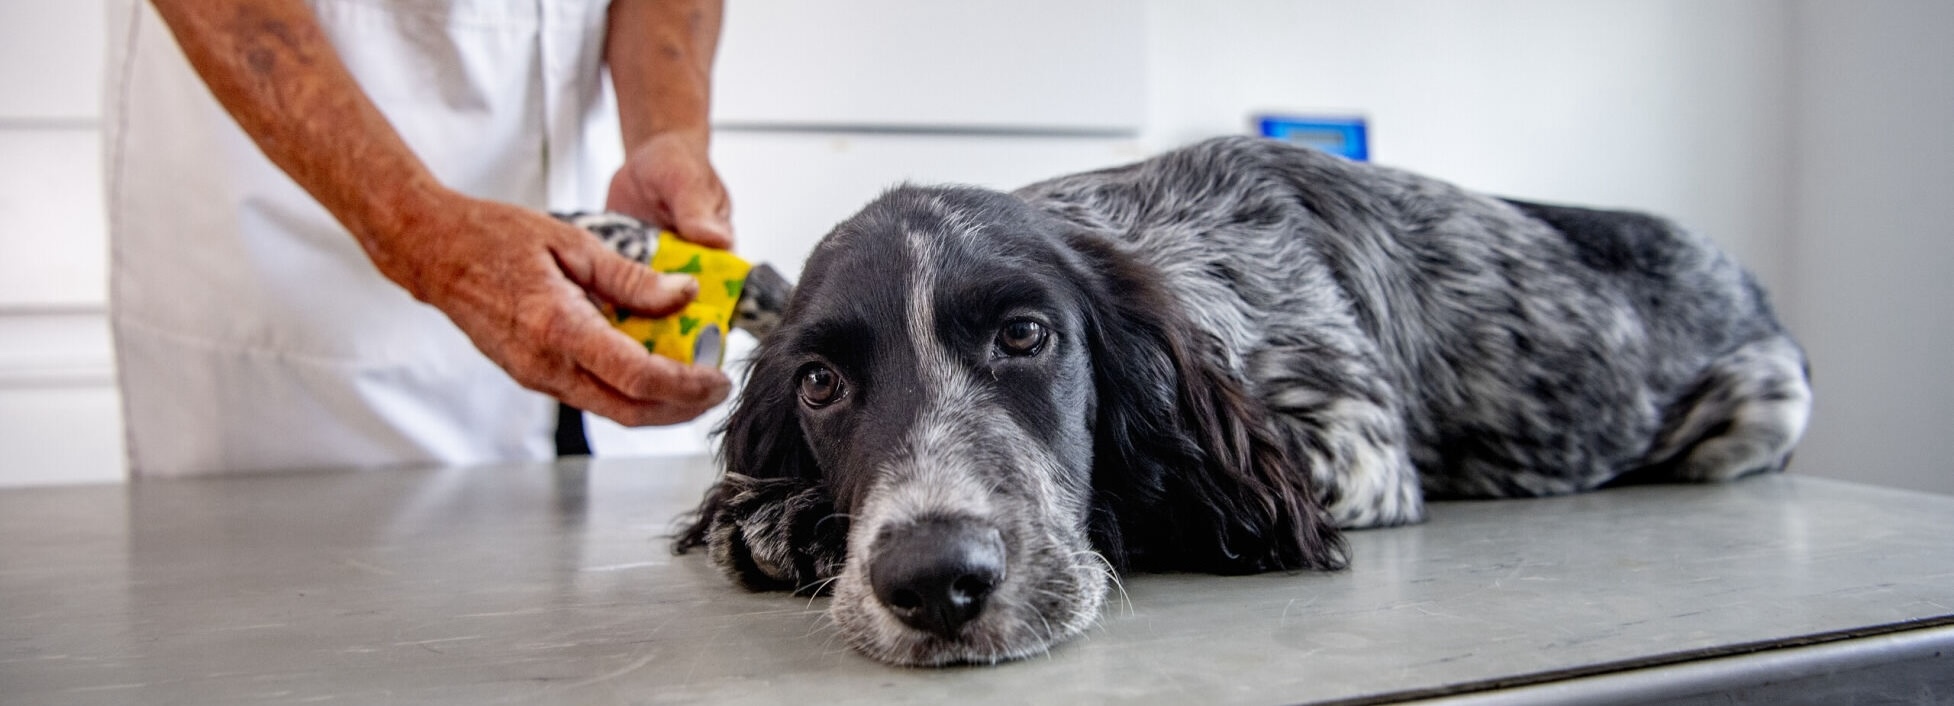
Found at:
[631, 285]
[702, 222]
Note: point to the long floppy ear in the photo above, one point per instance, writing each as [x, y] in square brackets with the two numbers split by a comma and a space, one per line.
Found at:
[769, 523]
[1187, 472]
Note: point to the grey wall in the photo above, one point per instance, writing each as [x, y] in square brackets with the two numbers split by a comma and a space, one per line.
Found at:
[1872, 257]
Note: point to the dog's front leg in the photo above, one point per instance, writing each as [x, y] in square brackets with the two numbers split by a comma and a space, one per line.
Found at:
[774, 534]
[1333, 406]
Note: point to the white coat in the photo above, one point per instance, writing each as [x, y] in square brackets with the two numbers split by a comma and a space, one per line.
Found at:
[251, 331]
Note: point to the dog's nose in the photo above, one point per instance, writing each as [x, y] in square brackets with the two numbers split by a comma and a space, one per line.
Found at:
[935, 575]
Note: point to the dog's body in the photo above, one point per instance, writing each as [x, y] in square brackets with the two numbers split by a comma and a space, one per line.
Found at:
[979, 404]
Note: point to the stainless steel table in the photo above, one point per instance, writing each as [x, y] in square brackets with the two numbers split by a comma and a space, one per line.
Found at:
[552, 584]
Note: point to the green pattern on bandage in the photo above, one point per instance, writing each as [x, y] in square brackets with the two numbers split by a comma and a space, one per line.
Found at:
[686, 324]
[733, 287]
[691, 267]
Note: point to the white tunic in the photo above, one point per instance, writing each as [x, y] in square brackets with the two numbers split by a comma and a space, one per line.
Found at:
[251, 331]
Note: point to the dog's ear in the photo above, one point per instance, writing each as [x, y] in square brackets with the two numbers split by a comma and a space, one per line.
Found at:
[769, 523]
[1187, 473]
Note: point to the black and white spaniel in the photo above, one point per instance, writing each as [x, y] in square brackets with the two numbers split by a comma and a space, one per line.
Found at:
[979, 406]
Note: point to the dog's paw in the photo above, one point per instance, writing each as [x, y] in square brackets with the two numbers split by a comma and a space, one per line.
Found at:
[762, 296]
[623, 234]
[762, 301]
[776, 534]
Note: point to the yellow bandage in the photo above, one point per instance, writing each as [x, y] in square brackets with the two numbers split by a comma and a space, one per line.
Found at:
[696, 335]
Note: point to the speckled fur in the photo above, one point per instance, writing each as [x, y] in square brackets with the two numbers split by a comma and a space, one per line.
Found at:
[1253, 344]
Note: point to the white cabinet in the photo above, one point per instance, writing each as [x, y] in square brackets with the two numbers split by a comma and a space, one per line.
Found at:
[1001, 65]
[59, 417]
[50, 62]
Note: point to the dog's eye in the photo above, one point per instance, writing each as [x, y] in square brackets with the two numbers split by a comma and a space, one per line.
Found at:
[820, 386]
[1022, 337]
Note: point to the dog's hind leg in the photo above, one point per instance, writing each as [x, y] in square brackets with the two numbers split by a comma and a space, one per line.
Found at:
[1743, 416]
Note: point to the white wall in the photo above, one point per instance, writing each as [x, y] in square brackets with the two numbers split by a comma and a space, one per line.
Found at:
[1873, 266]
[942, 66]
[1670, 106]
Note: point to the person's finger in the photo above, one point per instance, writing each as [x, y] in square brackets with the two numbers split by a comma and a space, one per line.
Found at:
[634, 387]
[623, 282]
[684, 393]
[639, 288]
[611, 404]
[708, 231]
[626, 196]
[624, 366]
[702, 219]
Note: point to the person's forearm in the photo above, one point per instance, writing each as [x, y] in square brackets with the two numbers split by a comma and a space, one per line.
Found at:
[660, 55]
[270, 65]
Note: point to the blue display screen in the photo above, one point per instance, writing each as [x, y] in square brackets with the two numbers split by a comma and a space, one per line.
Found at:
[1343, 136]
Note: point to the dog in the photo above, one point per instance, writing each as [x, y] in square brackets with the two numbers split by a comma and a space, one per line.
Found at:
[979, 407]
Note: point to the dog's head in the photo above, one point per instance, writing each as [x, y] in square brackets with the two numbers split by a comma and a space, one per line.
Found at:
[971, 414]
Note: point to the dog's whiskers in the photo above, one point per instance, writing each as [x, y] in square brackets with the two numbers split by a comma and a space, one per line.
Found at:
[1111, 574]
[814, 589]
[825, 622]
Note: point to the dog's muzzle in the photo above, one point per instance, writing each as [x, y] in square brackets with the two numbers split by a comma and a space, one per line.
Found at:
[936, 574]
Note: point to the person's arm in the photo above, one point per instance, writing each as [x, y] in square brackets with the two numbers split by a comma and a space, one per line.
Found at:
[514, 280]
[660, 56]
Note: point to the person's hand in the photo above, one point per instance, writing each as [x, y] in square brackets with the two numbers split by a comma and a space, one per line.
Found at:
[519, 283]
[667, 180]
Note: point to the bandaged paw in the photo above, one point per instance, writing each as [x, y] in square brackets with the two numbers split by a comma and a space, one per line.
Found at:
[696, 334]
